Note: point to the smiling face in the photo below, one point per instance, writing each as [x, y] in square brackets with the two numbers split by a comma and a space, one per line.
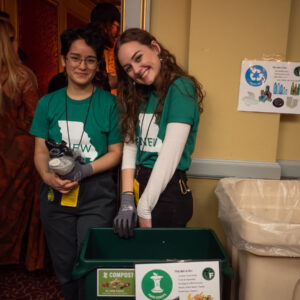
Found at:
[80, 63]
[140, 62]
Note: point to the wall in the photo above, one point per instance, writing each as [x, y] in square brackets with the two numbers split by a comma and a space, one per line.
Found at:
[79, 8]
[289, 143]
[214, 37]
[170, 23]
[220, 39]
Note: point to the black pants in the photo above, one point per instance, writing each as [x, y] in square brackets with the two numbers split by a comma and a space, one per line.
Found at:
[174, 207]
[66, 227]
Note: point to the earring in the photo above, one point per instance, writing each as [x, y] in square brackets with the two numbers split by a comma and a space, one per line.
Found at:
[133, 82]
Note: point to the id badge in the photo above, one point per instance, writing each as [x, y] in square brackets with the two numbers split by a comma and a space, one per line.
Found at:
[50, 194]
[136, 191]
[71, 198]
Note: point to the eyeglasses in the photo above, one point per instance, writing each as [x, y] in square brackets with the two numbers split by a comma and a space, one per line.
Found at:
[90, 62]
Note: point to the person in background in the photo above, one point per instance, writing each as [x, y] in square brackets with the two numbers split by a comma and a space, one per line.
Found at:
[5, 17]
[57, 82]
[106, 17]
[85, 117]
[160, 107]
[18, 99]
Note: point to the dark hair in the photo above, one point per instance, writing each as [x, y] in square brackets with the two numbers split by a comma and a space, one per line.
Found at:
[87, 33]
[131, 95]
[102, 18]
[4, 15]
[105, 13]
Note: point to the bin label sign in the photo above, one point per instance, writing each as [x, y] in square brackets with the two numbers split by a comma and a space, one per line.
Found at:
[185, 280]
[115, 282]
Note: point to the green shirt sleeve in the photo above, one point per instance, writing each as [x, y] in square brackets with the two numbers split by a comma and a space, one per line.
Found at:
[181, 102]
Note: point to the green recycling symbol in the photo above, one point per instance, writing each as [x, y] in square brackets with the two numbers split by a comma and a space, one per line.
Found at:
[157, 285]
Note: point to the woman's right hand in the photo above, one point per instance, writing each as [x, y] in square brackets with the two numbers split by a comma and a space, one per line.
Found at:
[63, 186]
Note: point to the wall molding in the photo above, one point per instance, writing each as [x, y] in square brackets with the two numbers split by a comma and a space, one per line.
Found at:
[220, 168]
[135, 13]
[290, 169]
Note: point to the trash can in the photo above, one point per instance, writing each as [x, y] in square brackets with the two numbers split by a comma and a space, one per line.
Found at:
[104, 249]
[261, 219]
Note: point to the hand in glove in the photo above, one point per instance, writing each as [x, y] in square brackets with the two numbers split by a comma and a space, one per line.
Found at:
[125, 221]
[79, 172]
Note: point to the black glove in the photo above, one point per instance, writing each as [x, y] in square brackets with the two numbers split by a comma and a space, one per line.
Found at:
[79, 172]
[125, 221]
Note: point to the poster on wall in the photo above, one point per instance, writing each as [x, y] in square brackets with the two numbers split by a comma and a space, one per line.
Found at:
[270, 86]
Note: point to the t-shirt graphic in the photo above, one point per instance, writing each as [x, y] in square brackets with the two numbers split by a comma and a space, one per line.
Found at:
[75, 129]
[149, 142]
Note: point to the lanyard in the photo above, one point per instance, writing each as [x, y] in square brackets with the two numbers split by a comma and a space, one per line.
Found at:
[86, 117]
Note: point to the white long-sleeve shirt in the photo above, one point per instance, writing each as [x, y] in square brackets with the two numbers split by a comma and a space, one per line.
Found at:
[164, 167]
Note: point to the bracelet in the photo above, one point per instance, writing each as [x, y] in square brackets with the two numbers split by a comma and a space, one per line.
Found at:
[127, 192]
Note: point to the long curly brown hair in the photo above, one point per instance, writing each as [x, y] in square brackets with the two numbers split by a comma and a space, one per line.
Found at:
[131, 94]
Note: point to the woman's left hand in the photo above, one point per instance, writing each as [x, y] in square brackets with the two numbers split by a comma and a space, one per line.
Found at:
[145, 223]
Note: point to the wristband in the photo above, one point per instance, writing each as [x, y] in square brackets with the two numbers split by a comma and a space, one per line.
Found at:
[127, 192]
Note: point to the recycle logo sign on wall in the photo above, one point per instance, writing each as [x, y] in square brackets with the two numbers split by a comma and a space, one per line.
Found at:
[256, 75]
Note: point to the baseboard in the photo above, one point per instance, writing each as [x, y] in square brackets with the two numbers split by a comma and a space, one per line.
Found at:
[220, 168]
[290, 169]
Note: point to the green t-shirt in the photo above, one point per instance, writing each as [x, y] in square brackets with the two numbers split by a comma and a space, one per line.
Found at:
[101, 127]
[180, 106]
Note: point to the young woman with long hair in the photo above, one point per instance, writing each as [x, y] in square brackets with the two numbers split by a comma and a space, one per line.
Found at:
[160, 107]
[18, 99]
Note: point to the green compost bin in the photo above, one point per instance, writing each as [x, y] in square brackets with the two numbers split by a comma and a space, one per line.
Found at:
[103, 249]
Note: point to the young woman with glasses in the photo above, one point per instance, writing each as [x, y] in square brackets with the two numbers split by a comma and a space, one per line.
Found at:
[85, 118]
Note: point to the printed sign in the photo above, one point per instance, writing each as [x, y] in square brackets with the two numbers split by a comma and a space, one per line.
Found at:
[270, 86]
[115, 283]
[174, 281]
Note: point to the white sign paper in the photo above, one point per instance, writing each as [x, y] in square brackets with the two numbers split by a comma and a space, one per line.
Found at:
[270, 86]
[174, 281]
